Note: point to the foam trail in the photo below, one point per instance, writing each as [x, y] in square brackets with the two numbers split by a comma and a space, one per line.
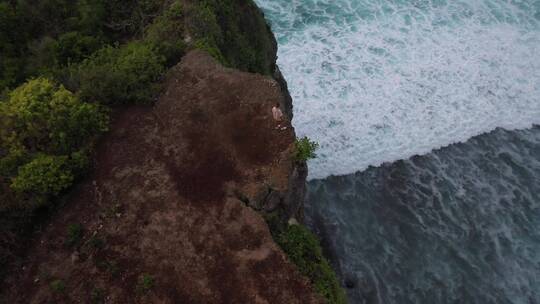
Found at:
[375, 81]
[458, 225]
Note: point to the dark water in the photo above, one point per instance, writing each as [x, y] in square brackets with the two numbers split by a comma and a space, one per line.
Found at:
[458, 225]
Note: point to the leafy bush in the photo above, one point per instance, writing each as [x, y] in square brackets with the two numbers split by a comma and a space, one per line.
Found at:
[44, 175]
[11, 46]
[166, 33]
[130, 17]
[45, 132]
[74, 234]
[11, 157]
[233, 32]
[43, 117]
[305, 149]
[41, 59]
[43, 127]
[120, 75]
[210, 47]
[203, 22]
[73, 47]
[90, 17]
[97, 296]
[145, 283]
[304, 250]
[96, 242]
[58, 286]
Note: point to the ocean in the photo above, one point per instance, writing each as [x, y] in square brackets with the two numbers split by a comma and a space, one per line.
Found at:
[426, 188]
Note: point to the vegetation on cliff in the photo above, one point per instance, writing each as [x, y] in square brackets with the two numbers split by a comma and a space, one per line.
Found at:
[303, 249]
[120, 75]
[305, 149]
[44, 133]
[62, 63]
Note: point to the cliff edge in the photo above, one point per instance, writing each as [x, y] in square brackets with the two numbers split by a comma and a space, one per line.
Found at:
[163, 218]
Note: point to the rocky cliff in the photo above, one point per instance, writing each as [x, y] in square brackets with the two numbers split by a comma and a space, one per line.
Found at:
[164, 216]
[173, 210]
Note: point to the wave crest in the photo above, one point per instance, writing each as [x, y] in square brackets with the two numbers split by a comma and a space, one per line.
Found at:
[375, 82]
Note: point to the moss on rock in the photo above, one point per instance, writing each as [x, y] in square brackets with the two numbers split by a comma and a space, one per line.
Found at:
[304, 250]
[235, 33]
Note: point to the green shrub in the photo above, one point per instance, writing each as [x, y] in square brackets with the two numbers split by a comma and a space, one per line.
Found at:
[12, 156]
[44, 175]
[41, 59]
[166, 33]
[97, 296]
[210, 47]
[304, 250]
[58, 286]
[73, 47]
[203, 22]
[90, 17]
[305, 149]
[43, 117]
[145, 283]
[128, 18]
[74, 234]
[45, 133]
[12, 46]
[120, 75]
[238, 30]
[10, 71]
[96, 243]
[79, 162]
[108, 265]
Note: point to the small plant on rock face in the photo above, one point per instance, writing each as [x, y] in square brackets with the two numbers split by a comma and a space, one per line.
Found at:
[146, 282]
[97, 296]
[74, 235]
[304, 250]
[109, 266]
[58, 286]
[305, 149]
[43, 273]
[96, 242]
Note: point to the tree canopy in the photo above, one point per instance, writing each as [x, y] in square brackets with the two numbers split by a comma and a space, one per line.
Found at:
[43, 125]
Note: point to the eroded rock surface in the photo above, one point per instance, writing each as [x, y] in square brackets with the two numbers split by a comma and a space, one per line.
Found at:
[167, 200]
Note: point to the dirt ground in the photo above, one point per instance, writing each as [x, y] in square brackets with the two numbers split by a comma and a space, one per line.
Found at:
[160, 215]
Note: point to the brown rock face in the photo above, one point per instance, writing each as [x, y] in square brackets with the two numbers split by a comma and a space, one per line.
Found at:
[164, 204]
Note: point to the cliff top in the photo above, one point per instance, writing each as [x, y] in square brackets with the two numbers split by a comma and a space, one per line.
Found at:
[163, 219]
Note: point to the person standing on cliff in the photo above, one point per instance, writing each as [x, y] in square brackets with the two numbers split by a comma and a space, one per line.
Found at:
[278, 116]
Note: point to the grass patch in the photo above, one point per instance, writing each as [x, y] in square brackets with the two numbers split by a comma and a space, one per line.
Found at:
[96, 243]
[74, 235]
[109, 266]
[145, 283]
[97, 296]
[58, 286]
[303, 249]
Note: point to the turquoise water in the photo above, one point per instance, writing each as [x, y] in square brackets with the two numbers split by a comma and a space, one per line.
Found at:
[458, 225]
[375, 81]
[418, 193]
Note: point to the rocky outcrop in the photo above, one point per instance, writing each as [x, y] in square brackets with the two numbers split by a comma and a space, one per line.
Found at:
[178, 191]
[167, 201]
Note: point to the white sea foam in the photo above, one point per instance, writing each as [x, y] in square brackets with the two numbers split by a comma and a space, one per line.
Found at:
[375, 81]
